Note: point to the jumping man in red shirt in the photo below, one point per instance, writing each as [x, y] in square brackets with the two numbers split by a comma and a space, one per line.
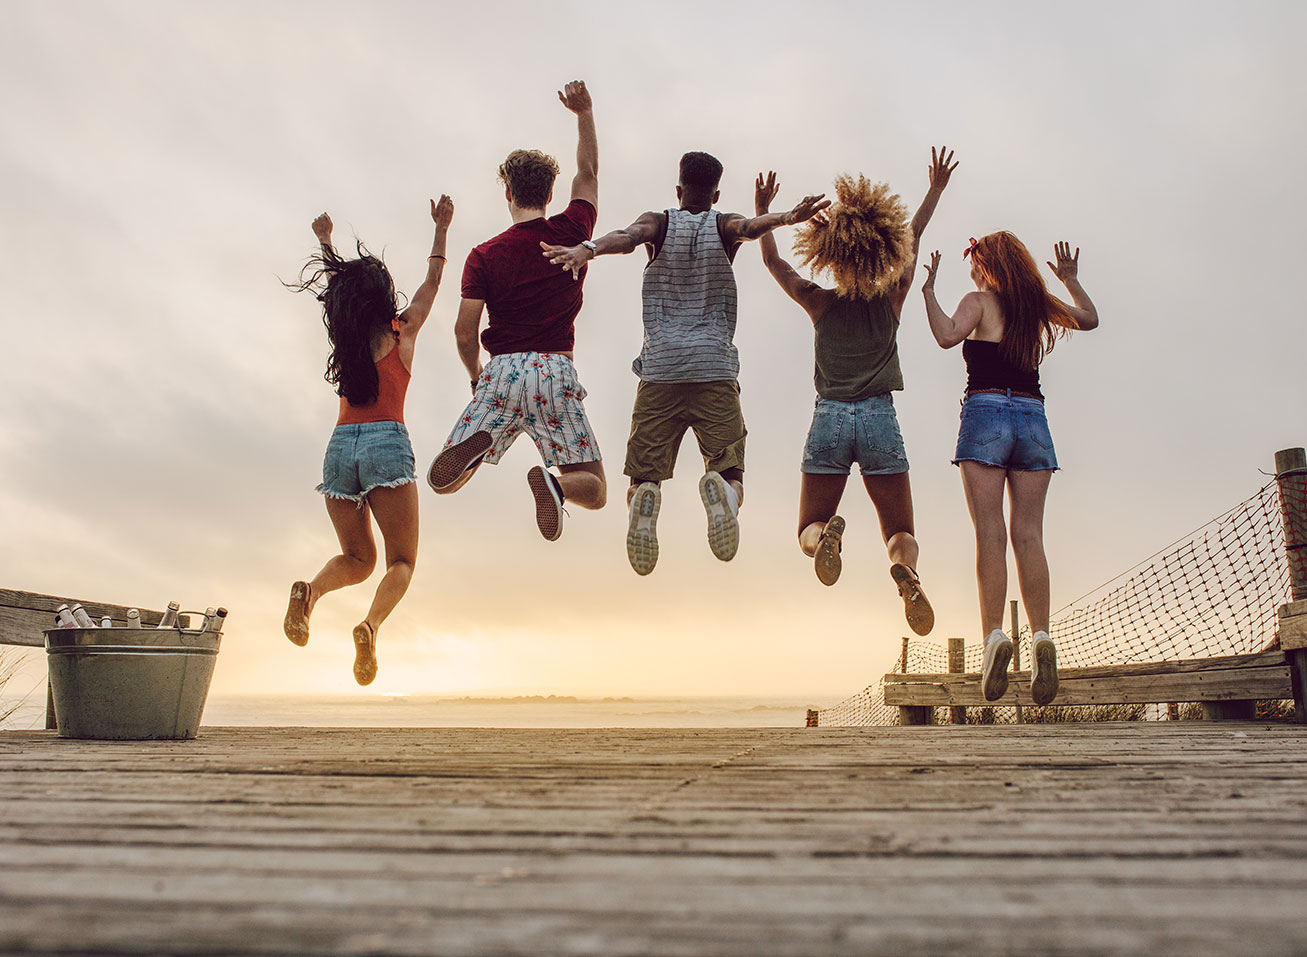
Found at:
[529, 385]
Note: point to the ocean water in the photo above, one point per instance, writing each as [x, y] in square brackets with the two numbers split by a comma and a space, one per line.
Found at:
[527, 711]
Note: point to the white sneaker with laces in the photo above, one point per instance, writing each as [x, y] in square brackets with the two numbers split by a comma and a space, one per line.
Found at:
[721, 502]
[1043, 668]
[642, 527]
[998, 655]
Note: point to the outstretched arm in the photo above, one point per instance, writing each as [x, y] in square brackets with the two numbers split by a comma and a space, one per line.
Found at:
[322, 230]
[806, 293]
[419, 307]
[950, 330]
[1083, 312]
[939, 173]
[736, 228]
[467, 331]
[585, 185]
[620, 241]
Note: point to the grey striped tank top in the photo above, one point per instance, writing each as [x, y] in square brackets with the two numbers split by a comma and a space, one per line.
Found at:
[689, 305]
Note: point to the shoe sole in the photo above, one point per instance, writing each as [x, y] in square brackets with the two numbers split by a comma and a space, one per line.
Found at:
[827, 561]
[916, 606]
[642, 531]
[448, 467]
[723, 528]
[549, 516]
[994, 685]
[1043, 683]
[365, 654]
[296, 625]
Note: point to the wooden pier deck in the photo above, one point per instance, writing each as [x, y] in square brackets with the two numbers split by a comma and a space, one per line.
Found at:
[1186, 837]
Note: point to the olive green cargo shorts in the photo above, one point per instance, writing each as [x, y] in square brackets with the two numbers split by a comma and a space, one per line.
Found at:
[664, 410]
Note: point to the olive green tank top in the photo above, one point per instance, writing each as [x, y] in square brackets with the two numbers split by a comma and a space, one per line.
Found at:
[856, 345]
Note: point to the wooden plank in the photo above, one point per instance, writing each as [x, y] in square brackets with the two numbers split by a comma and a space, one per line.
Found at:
[25, 615]
[1293, 631]
[1248, 682]
[1182, 666]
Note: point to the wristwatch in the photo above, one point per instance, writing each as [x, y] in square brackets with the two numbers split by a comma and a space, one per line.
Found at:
[594, 250]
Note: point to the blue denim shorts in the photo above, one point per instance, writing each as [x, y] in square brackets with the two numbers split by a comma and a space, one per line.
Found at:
[363, 457]
[866, 432]
[1007, 431]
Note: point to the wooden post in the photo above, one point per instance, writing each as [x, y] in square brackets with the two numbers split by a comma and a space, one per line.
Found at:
[1016, 652]
[957, 663]
[911, 713]
[1291, 477]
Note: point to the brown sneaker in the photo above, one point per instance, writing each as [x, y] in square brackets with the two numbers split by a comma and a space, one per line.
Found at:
[916, 606]
[365, 653]
[448, 467]
[827, 560]
[296, 624]
[548, 495]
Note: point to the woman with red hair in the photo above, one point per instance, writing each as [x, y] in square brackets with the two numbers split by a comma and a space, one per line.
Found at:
[1006, 327]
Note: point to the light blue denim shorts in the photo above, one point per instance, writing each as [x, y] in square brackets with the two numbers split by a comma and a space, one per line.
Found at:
[1006, 431]
[363, 457]
[866, 432]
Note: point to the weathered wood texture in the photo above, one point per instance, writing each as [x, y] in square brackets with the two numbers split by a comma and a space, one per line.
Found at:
[1167, 837]
[1231, 678]
[24, 615]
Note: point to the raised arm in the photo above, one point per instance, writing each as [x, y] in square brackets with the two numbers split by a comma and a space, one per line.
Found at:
[941, 168]
[736, 228]
[950, 330]
[585, 185]
[619, 241]
[419, 307]
[1067, 268]
[813, 298]
[467, 336]
[322, 230]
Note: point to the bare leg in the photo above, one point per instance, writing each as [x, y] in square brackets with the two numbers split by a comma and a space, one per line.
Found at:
[983, 485]
[396, 510]
[819, 497]
[584, 484]
[892, 496]
[358, 552]
[1027, 492]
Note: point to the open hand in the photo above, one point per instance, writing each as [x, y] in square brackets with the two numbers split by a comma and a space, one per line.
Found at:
[442, 213]
[930, 271]
[322, 229]
[576, 97]
[807, 208]
[1067, 265]
[568, 257]
[940, 170]
[764, 191]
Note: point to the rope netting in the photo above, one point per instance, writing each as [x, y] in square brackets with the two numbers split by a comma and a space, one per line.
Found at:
[1213, 592]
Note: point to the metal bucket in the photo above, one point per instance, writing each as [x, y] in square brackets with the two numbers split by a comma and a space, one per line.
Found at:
[129, 683]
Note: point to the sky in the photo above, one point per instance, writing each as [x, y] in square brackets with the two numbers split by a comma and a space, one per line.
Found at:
[160, 164]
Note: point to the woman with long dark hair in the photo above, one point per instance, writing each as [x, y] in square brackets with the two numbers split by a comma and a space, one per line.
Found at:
[368, 471]
[1007, 327]
[869, 246]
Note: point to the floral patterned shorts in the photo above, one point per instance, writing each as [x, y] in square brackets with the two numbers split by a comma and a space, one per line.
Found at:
[536, 393]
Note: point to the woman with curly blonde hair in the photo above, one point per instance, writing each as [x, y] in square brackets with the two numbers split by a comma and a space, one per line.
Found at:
[1006, 327]
[869, 247]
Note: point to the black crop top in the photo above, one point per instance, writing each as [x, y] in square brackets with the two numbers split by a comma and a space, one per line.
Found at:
[986, 369]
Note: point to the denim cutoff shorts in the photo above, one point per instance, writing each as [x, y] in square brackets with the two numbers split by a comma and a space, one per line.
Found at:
[1006, 431]
[866, 432]
[366, 456]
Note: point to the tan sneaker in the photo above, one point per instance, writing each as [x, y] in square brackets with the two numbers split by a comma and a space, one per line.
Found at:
[998, 654]
[296, 624]
[1043, 668]
[365, 653]
[916, 606]
[642, 527]
[827, 561]
[723, 527]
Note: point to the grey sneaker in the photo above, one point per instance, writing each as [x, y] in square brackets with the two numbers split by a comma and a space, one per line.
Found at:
[827, 561]
[723, 528]
[549, 502]
[998, 655]
[642, 528]
[1043, 668]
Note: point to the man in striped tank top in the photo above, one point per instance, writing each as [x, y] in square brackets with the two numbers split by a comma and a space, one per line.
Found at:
[688, 364]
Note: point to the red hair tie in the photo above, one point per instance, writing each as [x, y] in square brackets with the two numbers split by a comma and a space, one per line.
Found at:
[970, 249]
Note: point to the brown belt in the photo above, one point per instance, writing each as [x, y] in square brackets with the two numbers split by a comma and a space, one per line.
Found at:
[1007, 392]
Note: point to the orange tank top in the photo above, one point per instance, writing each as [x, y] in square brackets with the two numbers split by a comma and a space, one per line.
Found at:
[392, 381]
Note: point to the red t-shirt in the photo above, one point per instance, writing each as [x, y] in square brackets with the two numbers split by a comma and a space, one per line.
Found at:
[532, 304]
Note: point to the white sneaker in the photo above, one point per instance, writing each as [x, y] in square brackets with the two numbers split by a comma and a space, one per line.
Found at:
[549, 502]
[1043, 668]
[998, 655]
[642, 527]
[721, 504]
